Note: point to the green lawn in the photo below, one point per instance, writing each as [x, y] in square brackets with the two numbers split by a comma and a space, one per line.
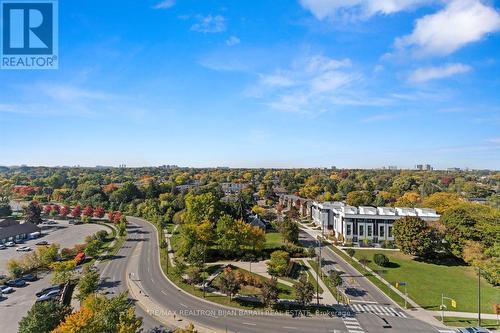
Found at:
[468, 322]
[427, 281]
[274, 240]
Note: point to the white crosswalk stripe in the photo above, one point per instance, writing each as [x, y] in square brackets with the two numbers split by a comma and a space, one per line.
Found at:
[352, 325]
[446, 331]
[382, 310]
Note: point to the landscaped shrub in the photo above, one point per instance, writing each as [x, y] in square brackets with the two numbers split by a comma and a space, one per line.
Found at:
[381, 260]
[350, 252]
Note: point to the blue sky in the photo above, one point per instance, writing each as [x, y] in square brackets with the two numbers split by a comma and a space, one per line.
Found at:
[287, 83]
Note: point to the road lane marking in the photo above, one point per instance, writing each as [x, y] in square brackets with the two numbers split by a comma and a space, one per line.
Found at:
[250, 324]
[183, 305]
[290, 327]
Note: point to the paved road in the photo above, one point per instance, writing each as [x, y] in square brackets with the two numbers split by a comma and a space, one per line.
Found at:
[142, 242]
[358, 287]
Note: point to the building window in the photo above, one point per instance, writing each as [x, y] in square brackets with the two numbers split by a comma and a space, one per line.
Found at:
[348, 229]
[361, 230]
[369, 230]
[389, 231]
[381, 231]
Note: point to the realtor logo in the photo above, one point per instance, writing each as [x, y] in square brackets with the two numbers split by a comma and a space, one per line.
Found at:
[29, 34]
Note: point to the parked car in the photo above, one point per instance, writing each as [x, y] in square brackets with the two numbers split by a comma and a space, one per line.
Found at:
[16, 283]
[473, 330]
[51, 222]
[42, 243]
[6, 289]
[48, 289]
[75, 222]
[29, 277]
[51, 295]
[23, 249]
[10, 244]
[2, 247]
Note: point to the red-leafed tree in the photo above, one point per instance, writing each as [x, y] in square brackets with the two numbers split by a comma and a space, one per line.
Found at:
[99, 212]
[117, 218]
[111, 216]
[56, 208]
[88, 211]
[64, 210]
[47, 209]
[77, 211]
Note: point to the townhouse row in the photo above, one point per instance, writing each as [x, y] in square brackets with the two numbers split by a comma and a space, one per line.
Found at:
[355, 224]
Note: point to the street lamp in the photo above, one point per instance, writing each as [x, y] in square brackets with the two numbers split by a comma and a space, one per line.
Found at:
[318, 270]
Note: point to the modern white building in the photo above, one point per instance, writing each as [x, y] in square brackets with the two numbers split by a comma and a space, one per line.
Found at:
[356, 224]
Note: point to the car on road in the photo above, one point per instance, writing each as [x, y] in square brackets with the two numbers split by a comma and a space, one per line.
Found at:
[29, 277]
[16, 283]
[75, 222]
[51, 222]
[44, 242]
[48, 289]
[6, 289]
[2, 247]
[23, 249]
[10, 244]
[51, 295]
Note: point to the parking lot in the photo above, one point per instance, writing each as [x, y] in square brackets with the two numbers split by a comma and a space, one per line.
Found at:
[14, 306]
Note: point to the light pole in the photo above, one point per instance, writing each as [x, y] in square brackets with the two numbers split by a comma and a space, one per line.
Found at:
[204, 260]
[479, 297]
[318, 270]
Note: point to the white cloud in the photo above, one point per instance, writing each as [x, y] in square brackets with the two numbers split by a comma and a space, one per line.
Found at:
[434, 73]
[461, 22]
[379, 117]
[209, 24]
[311, 85]
[233, 40]
[331, 9]
[165, 4]
[495, 141]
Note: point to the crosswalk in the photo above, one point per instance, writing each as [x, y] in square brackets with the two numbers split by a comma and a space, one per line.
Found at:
[381, 310]
[352, 325]
[444, 330]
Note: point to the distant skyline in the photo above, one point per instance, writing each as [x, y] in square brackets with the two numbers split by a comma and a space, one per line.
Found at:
[299, 83]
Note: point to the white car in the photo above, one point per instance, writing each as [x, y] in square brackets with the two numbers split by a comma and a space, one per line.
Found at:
[10, 244]
[2, 247]
[51, 295]
[23, 249]
[6, 289]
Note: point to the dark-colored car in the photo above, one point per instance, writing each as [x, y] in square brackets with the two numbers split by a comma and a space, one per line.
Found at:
[42, 243]
[16, 283]
[48, 289]
[29, 277]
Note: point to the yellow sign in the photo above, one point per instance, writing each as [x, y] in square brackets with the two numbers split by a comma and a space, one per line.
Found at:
[397, 284]
[454, 303]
